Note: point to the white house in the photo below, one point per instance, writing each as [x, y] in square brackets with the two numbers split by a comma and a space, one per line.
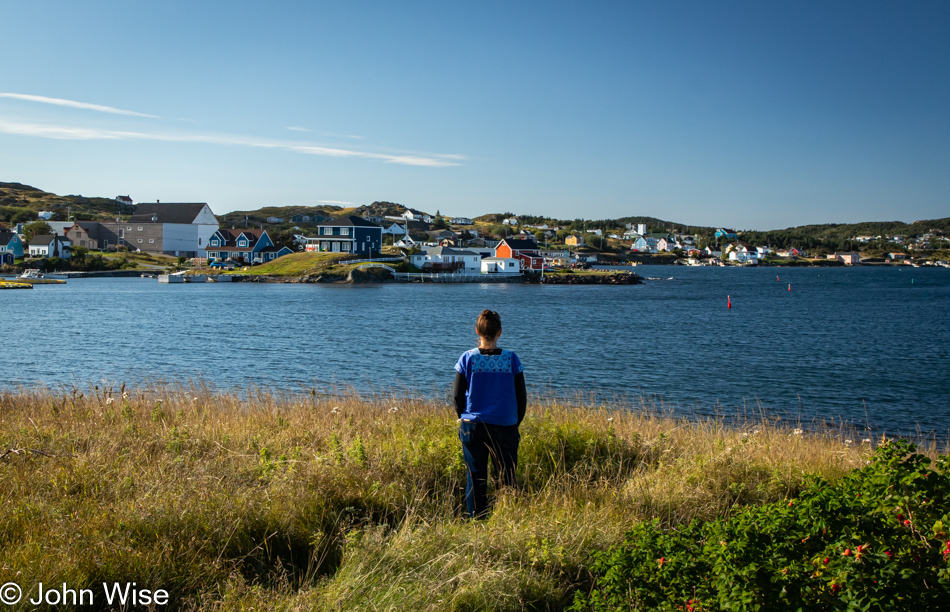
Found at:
[510, 221]
[744, 254]
[460, 221]
[596, 232]
[45, 215]
[50, 246]
[275, 219]
[395, 230]
[712, 252]
[447, 259]
[124, 200]
[416, 215]
[406, 242]
[500, 265]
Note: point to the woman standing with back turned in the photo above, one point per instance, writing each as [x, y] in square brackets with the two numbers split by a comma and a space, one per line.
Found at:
[490, 400]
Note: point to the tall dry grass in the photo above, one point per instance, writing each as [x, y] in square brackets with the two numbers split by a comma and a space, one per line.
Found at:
[263, 500]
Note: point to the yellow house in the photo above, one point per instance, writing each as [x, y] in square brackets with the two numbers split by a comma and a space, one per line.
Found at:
[573, 240]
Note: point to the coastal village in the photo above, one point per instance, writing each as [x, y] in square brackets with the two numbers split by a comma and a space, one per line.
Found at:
[415, 245]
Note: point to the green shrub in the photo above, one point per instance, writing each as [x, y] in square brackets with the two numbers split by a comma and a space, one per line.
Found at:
[875, 540]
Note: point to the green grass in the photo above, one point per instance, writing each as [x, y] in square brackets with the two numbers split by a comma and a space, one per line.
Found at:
[284, 501]
[296, 264]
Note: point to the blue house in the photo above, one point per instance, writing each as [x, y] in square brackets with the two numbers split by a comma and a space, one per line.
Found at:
[247, 246]
[640, 244]
[728, 234]
[11, 243]
[347, 234]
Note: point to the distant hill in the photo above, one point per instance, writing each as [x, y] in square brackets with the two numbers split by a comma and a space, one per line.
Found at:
[20, 203]
[381, 209]
[239, 218]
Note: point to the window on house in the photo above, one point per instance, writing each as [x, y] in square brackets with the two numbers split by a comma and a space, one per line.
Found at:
[344, 246]
[128, 229]
[151, 241]
[199, 242]
[214, 242]
[242, 243]
[140, 228]
[140, 241]
[344, 231]
[328, 231]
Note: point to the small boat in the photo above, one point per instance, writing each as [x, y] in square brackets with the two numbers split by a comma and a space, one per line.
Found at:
[14, 285]
[171, 278]
[35, 277]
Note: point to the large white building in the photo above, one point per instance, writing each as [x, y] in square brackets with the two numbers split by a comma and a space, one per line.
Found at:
[186, 227]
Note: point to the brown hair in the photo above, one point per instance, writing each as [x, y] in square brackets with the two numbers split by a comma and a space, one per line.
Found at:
[488, 324]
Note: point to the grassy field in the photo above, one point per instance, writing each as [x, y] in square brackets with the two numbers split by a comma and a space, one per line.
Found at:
[294, 502]
[297, 264]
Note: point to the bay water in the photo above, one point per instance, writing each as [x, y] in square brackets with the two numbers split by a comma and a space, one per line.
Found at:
[867, 346]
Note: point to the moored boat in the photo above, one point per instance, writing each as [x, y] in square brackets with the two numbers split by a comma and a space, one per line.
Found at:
[35, 277]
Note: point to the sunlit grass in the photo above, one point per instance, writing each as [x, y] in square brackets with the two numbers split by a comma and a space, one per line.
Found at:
[270, 500]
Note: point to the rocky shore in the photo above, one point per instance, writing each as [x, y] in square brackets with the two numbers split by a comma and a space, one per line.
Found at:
[616, 278]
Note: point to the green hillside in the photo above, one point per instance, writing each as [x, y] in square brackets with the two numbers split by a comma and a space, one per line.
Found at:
[20, 203]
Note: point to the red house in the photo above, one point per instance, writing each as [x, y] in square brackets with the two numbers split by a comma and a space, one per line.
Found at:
[524, 250]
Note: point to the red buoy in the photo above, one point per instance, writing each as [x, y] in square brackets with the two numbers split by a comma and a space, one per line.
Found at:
[790, 286]
[776, 279]
[728, 302]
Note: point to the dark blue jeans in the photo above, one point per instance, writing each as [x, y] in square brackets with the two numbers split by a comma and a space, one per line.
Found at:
[479, 441]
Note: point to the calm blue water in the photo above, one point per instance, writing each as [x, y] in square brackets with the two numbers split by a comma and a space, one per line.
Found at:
[841, 342]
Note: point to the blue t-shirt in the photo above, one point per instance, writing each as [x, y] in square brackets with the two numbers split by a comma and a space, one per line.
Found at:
[491, 386]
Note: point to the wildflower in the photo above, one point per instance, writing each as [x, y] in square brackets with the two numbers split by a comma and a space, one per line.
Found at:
[797, 432]
[194, 399]
[745, 434]
[755, 432]
[610, 419]
[394, 409]
[866, 441]
[110, 400]
[336, 409]
[847, 441]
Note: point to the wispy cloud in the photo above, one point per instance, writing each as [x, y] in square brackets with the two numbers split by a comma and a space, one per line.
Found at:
[297, 128]
[64, 132]
[74, 104]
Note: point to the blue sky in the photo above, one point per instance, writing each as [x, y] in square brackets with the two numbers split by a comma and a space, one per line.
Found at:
[756, 115]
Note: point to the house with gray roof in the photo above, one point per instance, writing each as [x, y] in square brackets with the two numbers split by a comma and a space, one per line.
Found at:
[447, 259]
[347, 234]
[49, 246]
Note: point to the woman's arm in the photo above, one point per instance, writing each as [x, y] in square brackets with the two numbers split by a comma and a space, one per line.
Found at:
[521, 394]
[461, 388]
